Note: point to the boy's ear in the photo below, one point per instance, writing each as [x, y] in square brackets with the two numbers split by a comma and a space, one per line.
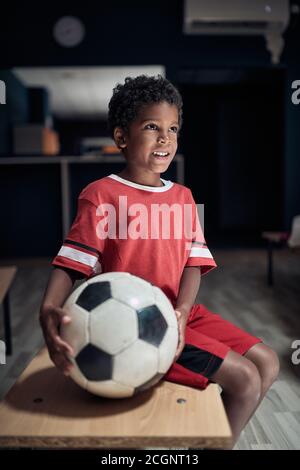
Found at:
[120, 138]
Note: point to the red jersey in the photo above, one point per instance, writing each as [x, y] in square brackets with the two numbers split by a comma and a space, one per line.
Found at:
[150, 232]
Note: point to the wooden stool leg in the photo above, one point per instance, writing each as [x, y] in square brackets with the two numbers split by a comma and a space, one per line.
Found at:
[7, 328]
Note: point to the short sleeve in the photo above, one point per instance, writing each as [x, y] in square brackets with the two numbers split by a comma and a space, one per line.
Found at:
[81, 250]
[199, 254]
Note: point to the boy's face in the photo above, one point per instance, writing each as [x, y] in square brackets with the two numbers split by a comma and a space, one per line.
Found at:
[154, 130]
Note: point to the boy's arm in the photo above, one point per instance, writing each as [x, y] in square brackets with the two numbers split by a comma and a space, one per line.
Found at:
[59, 287]
[188, 289]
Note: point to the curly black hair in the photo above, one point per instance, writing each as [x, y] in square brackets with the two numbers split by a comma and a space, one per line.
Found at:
[127, 99]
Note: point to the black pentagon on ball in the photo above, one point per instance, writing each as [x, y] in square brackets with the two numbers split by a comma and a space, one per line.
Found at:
[152, 325]
[94, 363]
[94, 295]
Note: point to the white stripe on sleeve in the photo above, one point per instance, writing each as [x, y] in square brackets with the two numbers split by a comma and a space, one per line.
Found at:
[200, 253]
[80, 256]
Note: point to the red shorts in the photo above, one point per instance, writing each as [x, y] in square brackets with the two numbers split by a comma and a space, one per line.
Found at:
[208, 338]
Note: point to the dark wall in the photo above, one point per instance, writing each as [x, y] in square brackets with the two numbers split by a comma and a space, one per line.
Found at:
[234, 148]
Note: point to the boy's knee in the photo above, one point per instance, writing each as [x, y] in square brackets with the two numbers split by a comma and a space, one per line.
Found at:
[248, 381]
[271, 369]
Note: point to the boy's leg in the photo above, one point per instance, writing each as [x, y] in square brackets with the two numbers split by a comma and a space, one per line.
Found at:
[246, 346]
[267, 363]
[215, 351]
[241, 384]
[204, 360]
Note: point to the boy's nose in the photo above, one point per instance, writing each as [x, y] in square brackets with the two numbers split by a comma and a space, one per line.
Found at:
[163, 138]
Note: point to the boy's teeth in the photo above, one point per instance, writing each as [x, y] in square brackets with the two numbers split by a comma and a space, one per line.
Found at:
[161, 154]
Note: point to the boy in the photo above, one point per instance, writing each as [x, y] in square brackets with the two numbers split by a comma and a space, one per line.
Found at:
[145, 116]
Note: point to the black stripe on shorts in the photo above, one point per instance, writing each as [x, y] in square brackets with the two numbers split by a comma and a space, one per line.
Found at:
[199, 361]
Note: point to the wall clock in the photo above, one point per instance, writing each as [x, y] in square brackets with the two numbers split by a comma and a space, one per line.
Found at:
[69, 31]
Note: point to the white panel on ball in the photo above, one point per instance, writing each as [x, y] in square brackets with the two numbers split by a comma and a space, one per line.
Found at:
[136, 365]
[113, 326]
[109, 388]
[138, 294]
[108, 277]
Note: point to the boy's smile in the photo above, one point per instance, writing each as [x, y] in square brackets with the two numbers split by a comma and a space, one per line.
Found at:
[150, 143]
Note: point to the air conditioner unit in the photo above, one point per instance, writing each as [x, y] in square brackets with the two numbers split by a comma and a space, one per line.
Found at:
[239, 17]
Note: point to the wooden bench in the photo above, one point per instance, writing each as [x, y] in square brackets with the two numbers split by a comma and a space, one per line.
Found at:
[7, 275]
[46, 409]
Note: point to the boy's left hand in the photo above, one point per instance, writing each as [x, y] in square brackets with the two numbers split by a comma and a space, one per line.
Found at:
[181, 332]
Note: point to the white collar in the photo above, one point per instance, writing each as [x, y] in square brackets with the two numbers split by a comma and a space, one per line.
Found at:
[158, 189]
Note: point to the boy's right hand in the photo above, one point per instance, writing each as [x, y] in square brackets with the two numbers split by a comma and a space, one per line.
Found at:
[50, 320]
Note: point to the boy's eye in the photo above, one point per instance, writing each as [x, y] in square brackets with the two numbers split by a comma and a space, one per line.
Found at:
[154, 126]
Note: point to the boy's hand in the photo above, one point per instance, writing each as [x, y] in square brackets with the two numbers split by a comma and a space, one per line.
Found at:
[181, 319]
[50, 320]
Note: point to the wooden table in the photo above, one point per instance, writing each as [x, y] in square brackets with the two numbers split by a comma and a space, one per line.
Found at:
[46, 409]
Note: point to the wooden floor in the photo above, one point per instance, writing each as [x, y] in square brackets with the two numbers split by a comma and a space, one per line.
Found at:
[238, 291]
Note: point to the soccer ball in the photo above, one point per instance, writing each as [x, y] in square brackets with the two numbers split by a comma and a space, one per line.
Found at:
[124, 333]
